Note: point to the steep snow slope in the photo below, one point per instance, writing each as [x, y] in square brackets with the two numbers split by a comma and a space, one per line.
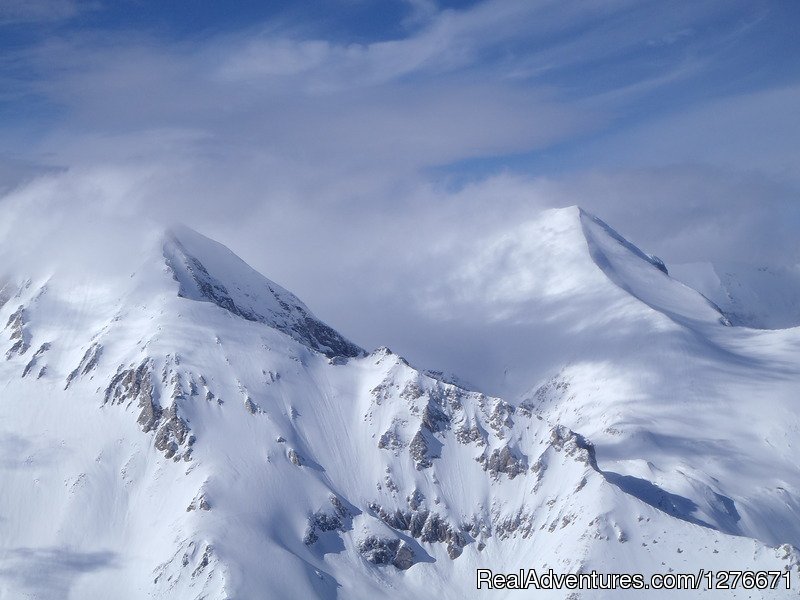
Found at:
[704, 410]
[191, 430]
[236, 287]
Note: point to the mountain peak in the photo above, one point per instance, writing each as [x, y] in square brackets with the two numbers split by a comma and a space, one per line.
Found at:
[208, 271]
[644, 276]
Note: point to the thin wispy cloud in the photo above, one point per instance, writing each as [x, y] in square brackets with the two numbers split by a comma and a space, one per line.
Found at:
[38, 11]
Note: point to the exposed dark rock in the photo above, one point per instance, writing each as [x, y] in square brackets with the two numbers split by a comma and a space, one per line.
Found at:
[415, 499]
[250, 406]
[198, 284]
[404, 557]
[574, 445]
[466, 435]
[390, 441]
[525, 408]
[199, 503]
[320, 522]
[412, 391]
[538, 468]
[390, 484]
[521, 523]
[381, 393]
[295, 458]
[658, 263]
[136, 385]
[29, 367]
[205, 560]
[339, 507]
[418, 449]
[505, 460]
[16, 322]
[500, 417]
[386, 551]
[323, 521]
[434, 419]
[32, 363]
[422, 524]
[172, 433]
[432, 413]
[19, 333]
[87, 364]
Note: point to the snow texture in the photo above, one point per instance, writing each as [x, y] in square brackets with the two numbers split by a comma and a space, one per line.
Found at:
[195, 432]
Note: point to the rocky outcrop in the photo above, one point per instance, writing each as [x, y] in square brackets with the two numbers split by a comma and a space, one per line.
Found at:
[320, 522]
[506, 460]
[471, 435]
[573, 445]
[291, 318]
[437, 409]
[250, 406]
[19, 334]
[199, 503]
[173, 437]
[419, 449]
[386, 551]
[500, 417]
[520, 523]
[135, 385]
[295, 458]
[88, 363]
[337, 519]
[205, 560]
[35, 360]
[422, 524]
[390, 440]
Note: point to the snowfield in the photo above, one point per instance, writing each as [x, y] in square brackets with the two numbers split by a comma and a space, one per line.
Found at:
[188, 429]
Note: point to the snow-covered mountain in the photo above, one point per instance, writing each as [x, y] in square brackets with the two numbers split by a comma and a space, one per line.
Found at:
[189, 429]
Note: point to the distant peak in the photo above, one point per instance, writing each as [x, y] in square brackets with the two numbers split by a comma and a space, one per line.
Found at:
[643, 275]
[611, 232]
[207, 271]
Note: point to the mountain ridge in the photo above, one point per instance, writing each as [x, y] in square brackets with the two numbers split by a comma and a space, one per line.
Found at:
[270, 304]
[155, 435]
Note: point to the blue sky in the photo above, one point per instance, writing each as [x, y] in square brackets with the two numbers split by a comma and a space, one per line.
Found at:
[316, 138]
[597, 69]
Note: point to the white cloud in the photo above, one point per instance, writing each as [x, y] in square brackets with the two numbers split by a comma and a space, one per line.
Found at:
[754, 131]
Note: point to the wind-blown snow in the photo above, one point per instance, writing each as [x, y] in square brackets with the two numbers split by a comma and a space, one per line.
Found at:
[759, 297]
